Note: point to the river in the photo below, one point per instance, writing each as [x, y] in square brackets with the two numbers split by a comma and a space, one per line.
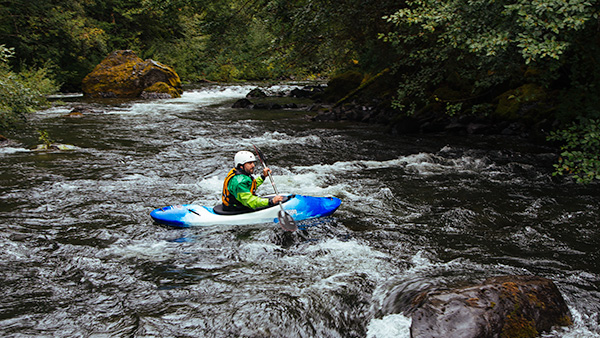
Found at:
[82, 258]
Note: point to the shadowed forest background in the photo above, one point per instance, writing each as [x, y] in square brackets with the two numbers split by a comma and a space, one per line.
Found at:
[535, 62]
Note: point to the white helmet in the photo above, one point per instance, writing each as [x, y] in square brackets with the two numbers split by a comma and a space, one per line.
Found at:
[243, 157]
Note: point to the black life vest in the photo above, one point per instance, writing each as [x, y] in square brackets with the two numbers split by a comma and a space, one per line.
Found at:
[227, 198]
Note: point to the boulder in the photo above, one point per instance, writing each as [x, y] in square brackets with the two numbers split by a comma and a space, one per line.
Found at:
[124, 74]
[342, 85]
[242, 103]
[256, 93]
[506, 306]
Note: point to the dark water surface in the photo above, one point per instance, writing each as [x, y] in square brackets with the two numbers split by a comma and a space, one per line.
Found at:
[82, 258]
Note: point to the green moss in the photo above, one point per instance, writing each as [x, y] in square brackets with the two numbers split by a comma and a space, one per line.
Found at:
[516, 326]
[115, 79]
[161, 87]
[510, 103]
[341, 85]
[565, 321]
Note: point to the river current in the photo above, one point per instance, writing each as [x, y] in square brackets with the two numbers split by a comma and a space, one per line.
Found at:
[81, 256]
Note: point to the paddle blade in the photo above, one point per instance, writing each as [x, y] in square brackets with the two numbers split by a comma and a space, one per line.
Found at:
[286, 221]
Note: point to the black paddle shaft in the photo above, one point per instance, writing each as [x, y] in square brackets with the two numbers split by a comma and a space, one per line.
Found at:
[286, 221]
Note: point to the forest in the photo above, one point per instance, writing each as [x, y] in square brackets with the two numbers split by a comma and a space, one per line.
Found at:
[521, 60]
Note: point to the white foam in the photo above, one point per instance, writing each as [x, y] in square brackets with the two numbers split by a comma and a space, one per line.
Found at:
[339, 258]
[278, 138]
[155, 251]
[13, 150]
[421, 163]
[391, 326]
[212, 184]
[581, 326]
[54, 111]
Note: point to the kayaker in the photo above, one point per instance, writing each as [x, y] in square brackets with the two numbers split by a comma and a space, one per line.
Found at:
[239, 187]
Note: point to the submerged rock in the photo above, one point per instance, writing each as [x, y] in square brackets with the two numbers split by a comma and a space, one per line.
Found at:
[507, 306]
[124, 74]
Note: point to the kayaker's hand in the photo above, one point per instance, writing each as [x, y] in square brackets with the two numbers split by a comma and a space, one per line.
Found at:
[277, 199]
[266, 172]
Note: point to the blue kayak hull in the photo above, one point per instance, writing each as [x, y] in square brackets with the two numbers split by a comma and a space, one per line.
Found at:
[300, 207]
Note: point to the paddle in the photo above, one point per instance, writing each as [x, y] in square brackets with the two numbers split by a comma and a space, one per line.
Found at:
[285, 220]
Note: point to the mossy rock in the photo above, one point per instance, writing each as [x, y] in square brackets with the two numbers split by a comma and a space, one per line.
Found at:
[341, 85]
[123, 74]
[520, 103]
[160, 90]
[503, 306]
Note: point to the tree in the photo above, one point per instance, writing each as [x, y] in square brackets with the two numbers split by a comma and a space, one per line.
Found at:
[73, 36]
[21, 93]
[487, 43]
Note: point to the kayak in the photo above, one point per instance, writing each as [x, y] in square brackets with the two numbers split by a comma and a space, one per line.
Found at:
[300, 207]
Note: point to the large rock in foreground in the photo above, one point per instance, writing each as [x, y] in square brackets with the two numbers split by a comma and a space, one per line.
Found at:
[507, 306]
[124, 74]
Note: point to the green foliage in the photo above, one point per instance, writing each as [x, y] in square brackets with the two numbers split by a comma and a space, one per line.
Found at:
[488, 44]
[538, 29]
[452, 109]
[545, 27]
[21, 93]
[580, 156]
[45, 138]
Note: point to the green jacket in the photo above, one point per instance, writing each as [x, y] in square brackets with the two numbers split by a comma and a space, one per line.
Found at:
[242, 187]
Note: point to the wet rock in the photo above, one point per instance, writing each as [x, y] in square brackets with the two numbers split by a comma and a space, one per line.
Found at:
[124, 74]
[154, 96]
[74, 115]
[307, 92]
[262, 106]
[455, 128]
[326, 116]
[478, 128]
[245, 103]
[242, 103]
[507, 306]
[267, 106]
[159, 90]
[515, 128]
[256, 93]
[303, 93]
[79, 111]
